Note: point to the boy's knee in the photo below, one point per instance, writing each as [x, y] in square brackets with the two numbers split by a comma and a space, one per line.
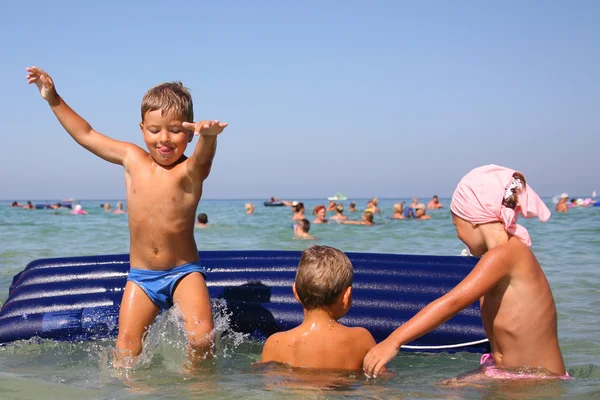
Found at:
[201, 340]
[128, 341]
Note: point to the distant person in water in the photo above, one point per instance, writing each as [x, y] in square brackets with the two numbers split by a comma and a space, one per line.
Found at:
[435, 203]
[249, 208]
[414, 203]
[29, 206]
[202, 220]
[298, 211]
[16, 204]
[339, 213]
[107, 207]
[375, 205]
[352, 207]
[331, 206]
[420, 212]
[562, 206]
[78, 210]
[120, 209]
[323, 286]
[398, 211]
[321, 214]
[301, 228]
[367, 219]
[573, 203]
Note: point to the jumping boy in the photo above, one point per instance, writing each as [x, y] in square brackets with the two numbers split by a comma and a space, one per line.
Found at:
[324, 288]
[163, 190]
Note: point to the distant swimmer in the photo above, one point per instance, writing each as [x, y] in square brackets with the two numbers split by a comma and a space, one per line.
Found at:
[249, 208]
[16, 204]
[562, 206]
[339, 213]
[352, 207]
[375, 205]
[78, 210]
[435, 203]
[367, 219]
[202, 220]
[331, 206]
[29, 206]
[420, 212]
[120, 209]
[301, 228]
[414, 203]
[298, 210]
[321, 214]
[107, 207]
[398, 211]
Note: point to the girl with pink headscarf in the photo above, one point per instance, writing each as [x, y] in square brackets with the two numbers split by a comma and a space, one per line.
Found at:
[517, 306]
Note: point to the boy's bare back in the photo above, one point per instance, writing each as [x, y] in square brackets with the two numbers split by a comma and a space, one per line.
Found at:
[324, 288]
[328, 346]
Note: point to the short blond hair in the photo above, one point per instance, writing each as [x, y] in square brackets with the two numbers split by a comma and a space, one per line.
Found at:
[172, 98]
[323, 274]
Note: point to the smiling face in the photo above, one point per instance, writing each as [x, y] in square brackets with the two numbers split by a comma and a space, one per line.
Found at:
[164, 136]
[321, 213]
[470, 235]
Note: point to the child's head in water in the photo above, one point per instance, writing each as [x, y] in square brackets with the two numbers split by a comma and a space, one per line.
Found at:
[486, 204]
[165, 108]
[301, 228]
[324, 281]
[202, 219]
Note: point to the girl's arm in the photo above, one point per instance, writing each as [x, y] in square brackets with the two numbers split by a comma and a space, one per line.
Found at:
[492, 267]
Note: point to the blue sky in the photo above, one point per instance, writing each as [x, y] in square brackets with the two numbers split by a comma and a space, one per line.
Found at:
[388, 99]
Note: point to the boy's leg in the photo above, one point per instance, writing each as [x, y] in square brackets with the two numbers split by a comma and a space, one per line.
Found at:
[191, 295]
[135, 317]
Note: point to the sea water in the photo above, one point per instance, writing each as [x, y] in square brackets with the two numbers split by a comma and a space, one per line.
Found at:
[567, 246]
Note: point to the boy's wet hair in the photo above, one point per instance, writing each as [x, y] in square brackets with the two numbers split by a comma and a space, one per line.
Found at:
[339, 207]
[172, 98]
[323, 274]
[303, 224]
[299, 206]
[369, 216]
[202, 218]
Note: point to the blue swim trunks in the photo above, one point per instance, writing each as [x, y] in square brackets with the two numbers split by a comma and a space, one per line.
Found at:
[159, 285]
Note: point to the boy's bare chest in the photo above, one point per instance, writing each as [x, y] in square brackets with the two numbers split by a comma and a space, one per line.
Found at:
[165, 192]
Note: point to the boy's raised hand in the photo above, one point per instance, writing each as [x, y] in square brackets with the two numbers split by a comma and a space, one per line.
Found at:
[43, 82]
[206, 128]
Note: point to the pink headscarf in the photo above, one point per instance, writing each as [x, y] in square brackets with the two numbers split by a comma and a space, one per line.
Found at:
[479, 195]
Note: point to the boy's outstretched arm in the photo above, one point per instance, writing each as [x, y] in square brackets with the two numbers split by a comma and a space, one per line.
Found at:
[104, 147]
[200, 162]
